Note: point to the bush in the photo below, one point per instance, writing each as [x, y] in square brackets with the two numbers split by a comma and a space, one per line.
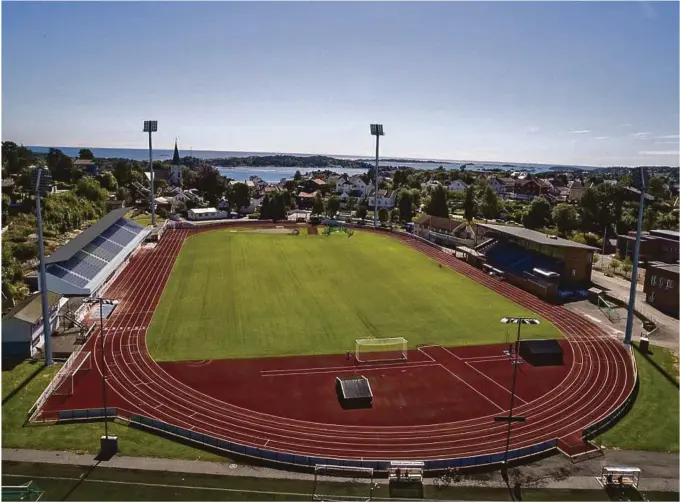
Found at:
[315, 220]
[300, 220]
[254, 216]
[24, 252]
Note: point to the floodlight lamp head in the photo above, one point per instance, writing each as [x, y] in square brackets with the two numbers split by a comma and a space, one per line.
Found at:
[150, 126]
[377, 130]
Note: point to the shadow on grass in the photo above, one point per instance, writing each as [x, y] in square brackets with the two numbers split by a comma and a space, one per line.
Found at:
[661, 370]
[9, 365]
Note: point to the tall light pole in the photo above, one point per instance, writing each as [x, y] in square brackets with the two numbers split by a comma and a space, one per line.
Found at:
[510, 418]
[640, 176]
[151, 127]
[42, 181]
[377, 131]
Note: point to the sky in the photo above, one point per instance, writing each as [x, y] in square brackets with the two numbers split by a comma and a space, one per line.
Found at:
[583, 83]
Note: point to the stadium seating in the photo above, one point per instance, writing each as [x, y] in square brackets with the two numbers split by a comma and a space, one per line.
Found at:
[517, 260]
[95, 256]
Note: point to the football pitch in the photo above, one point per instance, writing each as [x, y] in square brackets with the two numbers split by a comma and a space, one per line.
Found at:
[246, 294]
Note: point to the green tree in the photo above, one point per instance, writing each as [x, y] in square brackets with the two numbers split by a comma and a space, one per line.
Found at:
[212, 185]
[437, 206]
[362, 211]
[614, 264]
[332, 206]
[123, 172]
[90, 189]
[405, 205]
[490, 205]
[297, 176]
[278, 207]
[317, 205]
[649, 218]
[61, 166]
[538, 214]
[5, 208]
[383, 215]
[15, 158]
[657, 188]
[394, 215]
[351, 203]
[108, 181]
[565, 218]
[240, 194]
[264, 210]
[86, 153]
[469, 203]
[627, 266]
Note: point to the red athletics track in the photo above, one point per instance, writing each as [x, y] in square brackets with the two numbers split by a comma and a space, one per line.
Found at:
[599, 379]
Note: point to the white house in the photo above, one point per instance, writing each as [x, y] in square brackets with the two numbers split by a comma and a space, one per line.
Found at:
[207, 214]
[360, 185]
[22, 327]
[430, 184]
[458, 186]
[385, 200]
[496, 185]
[342, 184]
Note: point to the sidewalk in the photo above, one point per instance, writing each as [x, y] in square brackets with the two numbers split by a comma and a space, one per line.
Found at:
[659, 470]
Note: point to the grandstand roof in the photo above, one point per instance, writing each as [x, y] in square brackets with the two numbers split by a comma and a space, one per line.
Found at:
[30, 309]
[535, 236]
[84, 238]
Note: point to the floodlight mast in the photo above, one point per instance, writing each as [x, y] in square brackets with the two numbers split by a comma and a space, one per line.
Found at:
[377, 131]
[640, 177]
[151, 127]
[43, 184]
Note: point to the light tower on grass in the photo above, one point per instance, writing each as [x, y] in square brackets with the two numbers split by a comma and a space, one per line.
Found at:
[42, 182]
[377, 131]
[151, 127]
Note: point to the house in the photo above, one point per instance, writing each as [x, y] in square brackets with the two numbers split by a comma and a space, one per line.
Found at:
[429, 185]
[575, 190]
[496, 185]
[318, 182]
[661, 287]
[458, 186]
[305, 200]
[546, 186]
[655, 246]
[258, 183]
[385, 199]
[344, 184]
[22, 327]
[525, 190]
[360, 185]
[206, 214]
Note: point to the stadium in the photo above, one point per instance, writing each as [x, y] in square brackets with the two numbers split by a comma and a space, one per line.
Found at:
[285, 345]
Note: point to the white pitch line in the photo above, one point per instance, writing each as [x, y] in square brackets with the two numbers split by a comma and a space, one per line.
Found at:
[361, 369]
[472, 388]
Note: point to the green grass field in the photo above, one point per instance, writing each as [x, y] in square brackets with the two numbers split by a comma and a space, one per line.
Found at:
[240, 294]
[652, 424]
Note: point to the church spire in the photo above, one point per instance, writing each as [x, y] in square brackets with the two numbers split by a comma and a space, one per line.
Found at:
[175, 158]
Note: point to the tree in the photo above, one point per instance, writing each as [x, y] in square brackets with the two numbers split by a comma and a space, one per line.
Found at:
[61, 166]
[108, 181]
[490, 205]
[90, 189]
[123, 172]
[5, 208]
[627, 265]
[383, 215]
[437, 206]
[362, 211]
[15, 158]
[565, 218]
[332, 206]
[317, 205]
[264, 210]
[405, 205]
[278, 207]
[123, 194]
[538, 214]
[394, 215]
[657, 188]
[240, 194]
[614, 264]
[351, 203]
[212, 185]
[297, 176]
[86, 153]
[469, 204]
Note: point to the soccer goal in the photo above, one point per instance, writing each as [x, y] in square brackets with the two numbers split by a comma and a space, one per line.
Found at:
[608, 309]
[385, 349]
[342, 483]
[80, 366]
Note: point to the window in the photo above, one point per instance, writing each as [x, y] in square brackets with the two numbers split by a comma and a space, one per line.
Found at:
[590, 258]
[572, 272]
[661, 282]
[652, 280]
[669, 284]
[651, 297]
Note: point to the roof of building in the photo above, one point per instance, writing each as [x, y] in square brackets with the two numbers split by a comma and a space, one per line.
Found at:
[175, 158]
[666, 233]
[30, 309]
[666, 267]
[535, 236]
[202, 211]
[306, 195]
[575, 184]
[438, 222]
[319, 181]
[83, 162]
[84, 238]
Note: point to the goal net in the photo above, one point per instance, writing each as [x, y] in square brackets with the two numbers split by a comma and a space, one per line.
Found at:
[386, 349]
[79, 367]
[342, 483]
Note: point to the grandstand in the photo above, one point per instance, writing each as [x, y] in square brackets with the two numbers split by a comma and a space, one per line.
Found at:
[85, 263]
[556, 267]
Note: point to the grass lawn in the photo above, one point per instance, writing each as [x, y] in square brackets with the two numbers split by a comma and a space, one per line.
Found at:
[236, 294]
[82, 483]
[652, 423]
[18, 396]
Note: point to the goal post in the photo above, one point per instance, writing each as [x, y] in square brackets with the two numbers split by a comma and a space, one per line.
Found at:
[342, 483]
[80, 366]
[384, 349]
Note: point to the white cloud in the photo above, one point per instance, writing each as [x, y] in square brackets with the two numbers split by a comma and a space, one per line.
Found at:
[626, 124]
[667, 137]
[602, 137]
[666, 142]
[533, 129]
[579, 131]
[640, 136]
[660, 152]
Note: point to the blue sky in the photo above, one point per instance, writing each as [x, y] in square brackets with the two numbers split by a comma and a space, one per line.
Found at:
[546, 82]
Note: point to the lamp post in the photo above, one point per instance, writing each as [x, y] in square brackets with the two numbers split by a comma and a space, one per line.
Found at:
[640, 176]
[510, 418]
[42, 181]
[377, 131]
[151, 127]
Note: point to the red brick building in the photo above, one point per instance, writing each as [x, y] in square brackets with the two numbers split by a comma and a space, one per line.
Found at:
[655, 245]
[661, 287]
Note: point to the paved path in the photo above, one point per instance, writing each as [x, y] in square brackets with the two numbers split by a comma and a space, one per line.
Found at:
[659, 470]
